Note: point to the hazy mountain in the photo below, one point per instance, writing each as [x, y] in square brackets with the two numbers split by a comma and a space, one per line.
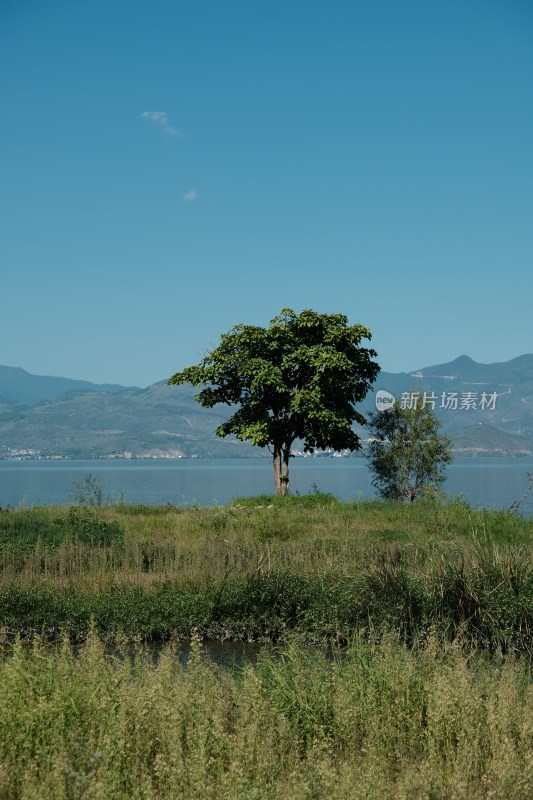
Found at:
[86, 420]
[498, 395]
[480, 439]
[19, 386]
[158, 421]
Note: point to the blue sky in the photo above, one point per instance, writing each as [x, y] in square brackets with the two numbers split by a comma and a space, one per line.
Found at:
[170, 169]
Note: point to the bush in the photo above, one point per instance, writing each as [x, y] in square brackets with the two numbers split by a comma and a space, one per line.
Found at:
[21, 530]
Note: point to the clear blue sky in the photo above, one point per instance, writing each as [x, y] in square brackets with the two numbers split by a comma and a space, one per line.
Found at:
[173, 167]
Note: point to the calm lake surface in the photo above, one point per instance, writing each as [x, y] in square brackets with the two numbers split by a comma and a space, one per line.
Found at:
[485, 482]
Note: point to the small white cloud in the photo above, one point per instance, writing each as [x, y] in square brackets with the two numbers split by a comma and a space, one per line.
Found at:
[191, 196]
[160, 118]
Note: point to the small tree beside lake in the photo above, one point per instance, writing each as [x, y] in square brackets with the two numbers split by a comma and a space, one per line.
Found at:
[298, 379]
[408, 454]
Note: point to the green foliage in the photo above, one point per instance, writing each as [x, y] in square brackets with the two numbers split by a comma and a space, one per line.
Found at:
[300, 378]
[377, 722]
[486, 606]
[297, 501]
[83, 526]
[21, 530]
[408, 455]
[307, 565]
[144, 510]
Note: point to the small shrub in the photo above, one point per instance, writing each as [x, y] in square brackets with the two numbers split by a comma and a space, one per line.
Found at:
[289, 501]
[87, 527]
[88, 491]
[20, 531]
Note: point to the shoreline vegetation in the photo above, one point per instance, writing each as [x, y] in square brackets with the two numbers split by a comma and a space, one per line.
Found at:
[396, 660]
[266, 568]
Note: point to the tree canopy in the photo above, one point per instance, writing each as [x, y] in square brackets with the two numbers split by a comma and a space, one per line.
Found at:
[298, 379]
[408, 455]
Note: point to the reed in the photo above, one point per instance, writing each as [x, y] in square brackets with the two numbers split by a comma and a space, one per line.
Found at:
[379, 722]
[263, 568]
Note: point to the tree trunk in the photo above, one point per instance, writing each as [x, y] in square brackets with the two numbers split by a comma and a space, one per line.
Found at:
[281, 469]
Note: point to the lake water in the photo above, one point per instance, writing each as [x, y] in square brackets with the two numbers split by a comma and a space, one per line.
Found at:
[486, 482]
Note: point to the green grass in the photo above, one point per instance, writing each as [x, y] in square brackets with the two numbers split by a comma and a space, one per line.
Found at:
[380, 723]
[23, 530]
[427, 610]
[266, 568]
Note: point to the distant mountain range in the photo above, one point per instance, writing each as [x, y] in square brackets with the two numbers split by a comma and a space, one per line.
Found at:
[59, 417]
[487, 409]
[21, 387]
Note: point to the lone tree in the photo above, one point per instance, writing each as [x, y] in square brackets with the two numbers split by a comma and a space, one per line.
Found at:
[297, 379]
[408, 455]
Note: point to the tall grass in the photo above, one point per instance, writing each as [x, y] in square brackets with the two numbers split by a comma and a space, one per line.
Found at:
[136, 544]
[448, 716]
[266, 567]
[382, 722]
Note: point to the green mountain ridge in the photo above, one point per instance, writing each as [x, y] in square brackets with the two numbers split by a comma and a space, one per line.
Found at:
[160, 421]
[19, 386]
[511, 381]
[83, 420]
[482, 439]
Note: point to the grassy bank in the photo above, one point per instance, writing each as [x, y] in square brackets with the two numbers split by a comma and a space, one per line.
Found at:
[449, 716]
[382, 722]
[265, 568]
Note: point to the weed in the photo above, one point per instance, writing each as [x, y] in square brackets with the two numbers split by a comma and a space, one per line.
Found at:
[88, 491]
[379, 722]
[326, 571]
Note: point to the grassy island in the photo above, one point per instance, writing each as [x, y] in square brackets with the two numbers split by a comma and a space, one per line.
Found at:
[396, 661]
